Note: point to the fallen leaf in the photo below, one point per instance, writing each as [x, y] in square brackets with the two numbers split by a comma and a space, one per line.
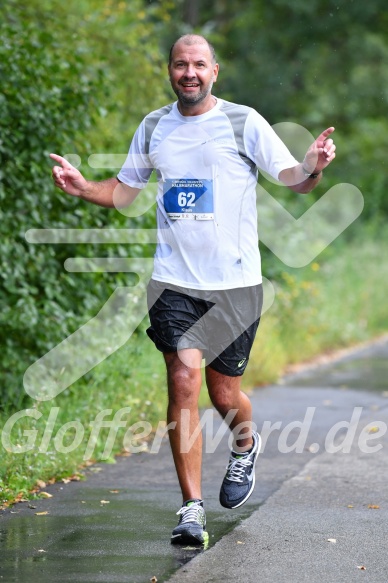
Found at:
[361, 567]
[239, 542]
[42, 513]
[114, 491]
[350, 506]
[153, 579]
[373, 506]
[46, 495]
[104, 502]
[41, 484]
[73, 478]
[41, 551]
[31, 506]
[332, 540]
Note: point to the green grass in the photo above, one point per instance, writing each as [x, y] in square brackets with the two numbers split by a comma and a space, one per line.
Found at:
[132, 378]
[335, 302]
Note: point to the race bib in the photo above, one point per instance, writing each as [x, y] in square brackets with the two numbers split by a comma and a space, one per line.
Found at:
[189, 198]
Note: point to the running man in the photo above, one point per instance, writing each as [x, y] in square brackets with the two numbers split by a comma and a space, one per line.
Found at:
[205, 294]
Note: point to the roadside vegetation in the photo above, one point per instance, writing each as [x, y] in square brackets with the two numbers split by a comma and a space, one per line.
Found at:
[78, 78]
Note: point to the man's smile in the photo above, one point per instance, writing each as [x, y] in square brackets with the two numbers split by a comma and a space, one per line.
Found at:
[188, 84]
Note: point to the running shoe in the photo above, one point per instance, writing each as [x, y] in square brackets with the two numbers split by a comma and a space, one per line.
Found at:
[239, 480]
[191, 529]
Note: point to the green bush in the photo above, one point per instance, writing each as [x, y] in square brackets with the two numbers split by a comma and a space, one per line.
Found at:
[71, 77]
[48, 95]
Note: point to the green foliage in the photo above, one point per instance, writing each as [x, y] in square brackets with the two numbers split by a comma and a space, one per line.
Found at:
[45, 98]
[124, 382]
[121, 39]
[55, 84]
[335, 302]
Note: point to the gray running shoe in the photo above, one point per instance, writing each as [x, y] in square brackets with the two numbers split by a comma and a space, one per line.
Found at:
[191, 529]
[239, 480]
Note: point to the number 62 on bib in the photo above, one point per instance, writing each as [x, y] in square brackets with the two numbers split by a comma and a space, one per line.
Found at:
[189, 198]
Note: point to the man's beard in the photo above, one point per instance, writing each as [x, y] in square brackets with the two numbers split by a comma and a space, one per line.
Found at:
[190, 100]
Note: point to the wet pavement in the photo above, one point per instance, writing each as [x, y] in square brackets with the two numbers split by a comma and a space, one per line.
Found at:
[365, 369]
[115, 525]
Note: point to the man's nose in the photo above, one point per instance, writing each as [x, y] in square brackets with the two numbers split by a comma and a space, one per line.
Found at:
[190, 71]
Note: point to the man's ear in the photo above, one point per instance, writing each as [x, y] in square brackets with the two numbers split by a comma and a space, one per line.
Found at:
[215, 72]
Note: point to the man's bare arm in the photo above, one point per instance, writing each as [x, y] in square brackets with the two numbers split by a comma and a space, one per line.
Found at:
[318, 156]
[110, 193]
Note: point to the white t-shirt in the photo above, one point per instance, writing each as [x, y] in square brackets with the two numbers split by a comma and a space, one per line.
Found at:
[206, 203]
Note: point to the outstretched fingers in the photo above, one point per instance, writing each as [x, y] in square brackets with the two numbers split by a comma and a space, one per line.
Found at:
[323, 142]
[61, 173]
[62, 161]
[325, 145]
[325, 134]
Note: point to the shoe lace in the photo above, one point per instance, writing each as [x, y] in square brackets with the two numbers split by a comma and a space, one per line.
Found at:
[237, 467]
[190, 513]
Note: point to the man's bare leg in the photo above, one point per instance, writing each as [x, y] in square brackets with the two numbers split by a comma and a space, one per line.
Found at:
[184, 385]
[239, 481]
[226, 395]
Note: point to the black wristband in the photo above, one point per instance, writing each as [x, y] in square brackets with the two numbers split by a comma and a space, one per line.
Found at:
[310, 175]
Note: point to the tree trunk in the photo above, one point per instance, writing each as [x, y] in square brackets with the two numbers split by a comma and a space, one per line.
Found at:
[191, 12]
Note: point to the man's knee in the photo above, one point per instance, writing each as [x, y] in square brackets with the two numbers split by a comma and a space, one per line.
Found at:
[224, 391]
[223, 401]
[184, 382]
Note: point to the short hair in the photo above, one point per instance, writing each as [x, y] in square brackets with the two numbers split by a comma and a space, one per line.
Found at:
[192, 39]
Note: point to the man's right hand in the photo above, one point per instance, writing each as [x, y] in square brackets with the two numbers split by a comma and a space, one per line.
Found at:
[110, 193]
[67, 177]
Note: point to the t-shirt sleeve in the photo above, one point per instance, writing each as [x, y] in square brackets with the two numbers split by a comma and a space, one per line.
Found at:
[137, 167]
[264, 146]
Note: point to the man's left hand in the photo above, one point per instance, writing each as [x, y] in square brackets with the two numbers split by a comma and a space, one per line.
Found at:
[320, 153]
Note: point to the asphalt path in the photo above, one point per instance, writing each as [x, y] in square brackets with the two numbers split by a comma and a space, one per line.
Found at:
[318, 512]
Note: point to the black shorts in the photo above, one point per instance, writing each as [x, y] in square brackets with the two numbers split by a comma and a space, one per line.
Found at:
[222, 324]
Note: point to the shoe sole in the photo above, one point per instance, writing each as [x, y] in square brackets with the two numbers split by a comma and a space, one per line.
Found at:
[188, 539]
[253, 480]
